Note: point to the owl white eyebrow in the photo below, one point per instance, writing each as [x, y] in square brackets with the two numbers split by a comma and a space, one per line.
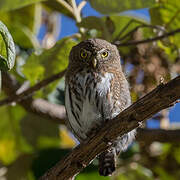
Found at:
[99, 52]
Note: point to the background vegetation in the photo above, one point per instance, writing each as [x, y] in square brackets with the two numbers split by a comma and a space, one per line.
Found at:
[33, 136]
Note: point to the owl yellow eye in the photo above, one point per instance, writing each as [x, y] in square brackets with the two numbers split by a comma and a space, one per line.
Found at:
[83, 54]
[104, 54]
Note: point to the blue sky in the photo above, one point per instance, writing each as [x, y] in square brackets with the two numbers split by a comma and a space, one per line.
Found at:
[69, 28]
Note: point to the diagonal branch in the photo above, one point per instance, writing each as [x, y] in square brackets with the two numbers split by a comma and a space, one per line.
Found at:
[40, 107]
[132, 43]
[138, 27]
[31, 90]
[66, 5]
[160, 98]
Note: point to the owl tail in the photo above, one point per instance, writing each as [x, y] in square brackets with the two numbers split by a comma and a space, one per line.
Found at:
[107, 162]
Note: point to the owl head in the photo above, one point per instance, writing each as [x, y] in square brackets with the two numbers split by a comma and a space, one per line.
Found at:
[94, 54]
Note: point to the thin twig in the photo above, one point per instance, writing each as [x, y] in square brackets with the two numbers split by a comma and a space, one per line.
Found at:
[173, 18]
[40, 107]
[132, 43]
[129, 23]
[124, 28]
[66, 5]
[75, 11]
[81, 5]
[138, 27]
[31, 90]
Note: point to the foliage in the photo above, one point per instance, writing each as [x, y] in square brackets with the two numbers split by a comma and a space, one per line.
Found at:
[31, 144]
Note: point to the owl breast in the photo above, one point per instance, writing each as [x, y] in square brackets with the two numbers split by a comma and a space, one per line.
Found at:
[88, 102]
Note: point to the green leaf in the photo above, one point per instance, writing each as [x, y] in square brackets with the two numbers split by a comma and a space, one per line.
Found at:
[116, 6]
[49, 62]
[122, 21]
[54, 5]
[118, 22]
[35, 131]
[8, 5]
[91, 175]
[24, 28]
[91, 172]
[93, 22]
[7, 49]
[168, 13]
[11, 140]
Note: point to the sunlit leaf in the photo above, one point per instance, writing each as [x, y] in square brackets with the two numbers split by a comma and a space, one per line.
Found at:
[54, 5]
[49, 62]
[7, 150]
[116, 6]
[7, 49]
[11, 140]
[23, 28]
[168, 13]
[15, 4]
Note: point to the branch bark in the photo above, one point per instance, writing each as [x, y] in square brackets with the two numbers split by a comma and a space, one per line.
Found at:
[160, 98]
[57, 114]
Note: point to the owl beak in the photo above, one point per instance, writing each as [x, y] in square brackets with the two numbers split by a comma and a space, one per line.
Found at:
[94, 62]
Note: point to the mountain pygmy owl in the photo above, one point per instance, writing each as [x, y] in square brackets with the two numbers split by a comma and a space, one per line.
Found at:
[96, 91]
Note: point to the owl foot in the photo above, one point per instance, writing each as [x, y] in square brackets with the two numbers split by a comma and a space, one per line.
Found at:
[107, 171]
[107, 164]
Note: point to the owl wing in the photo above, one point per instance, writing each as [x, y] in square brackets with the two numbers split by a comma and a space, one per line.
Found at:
[120, 91]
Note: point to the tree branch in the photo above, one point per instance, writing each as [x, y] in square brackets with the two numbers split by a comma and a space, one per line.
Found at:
[160, 98]
[67, 6]
[39, 107]
[132, 43]
[56, 113]
[138, 27]
[81, 5]
[31, 90]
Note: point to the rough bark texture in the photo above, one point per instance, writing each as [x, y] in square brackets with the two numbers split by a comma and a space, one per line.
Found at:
[160, 98]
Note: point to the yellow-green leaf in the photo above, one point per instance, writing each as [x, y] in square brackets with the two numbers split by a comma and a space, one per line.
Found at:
[7, 49]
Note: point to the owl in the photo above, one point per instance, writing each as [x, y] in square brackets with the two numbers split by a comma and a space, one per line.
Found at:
[96, 91]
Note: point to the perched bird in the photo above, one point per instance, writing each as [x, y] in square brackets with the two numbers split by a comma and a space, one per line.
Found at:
[96, 91]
